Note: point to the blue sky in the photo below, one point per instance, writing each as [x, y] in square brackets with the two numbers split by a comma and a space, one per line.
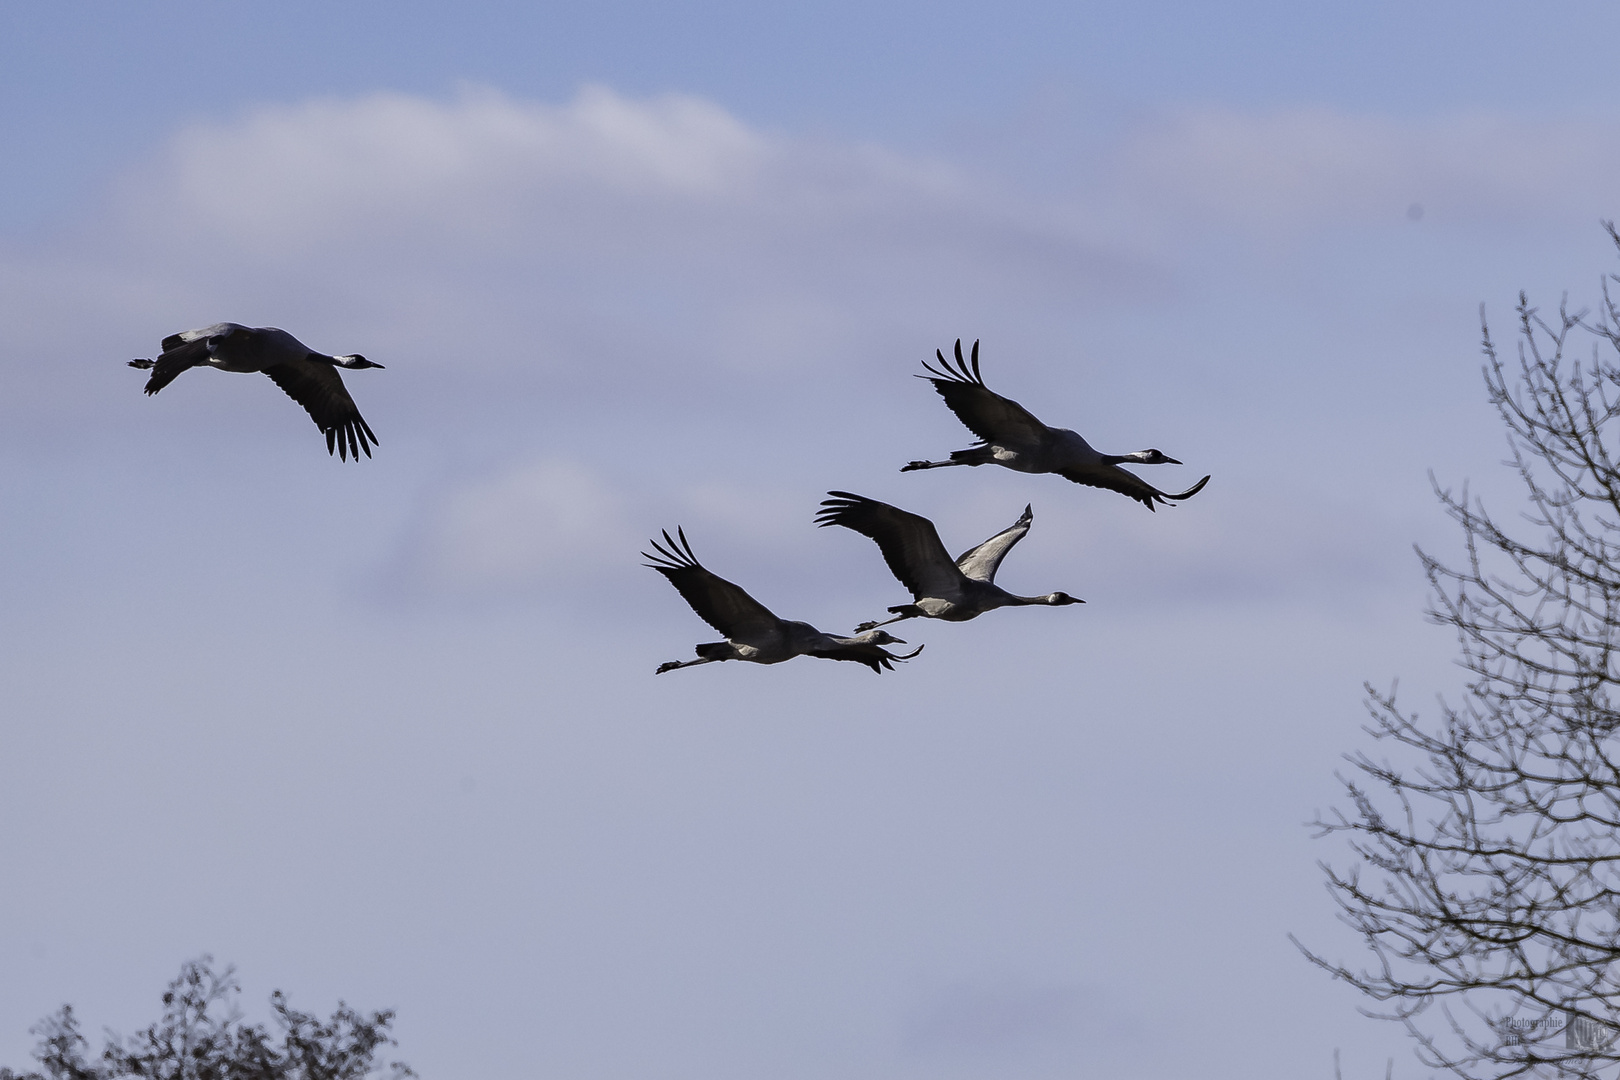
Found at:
[389, 731]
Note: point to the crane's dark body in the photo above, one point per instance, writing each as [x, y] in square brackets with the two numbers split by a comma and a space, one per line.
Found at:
[941, 588]
[752, 632]
[1011, 436]
[308, 377]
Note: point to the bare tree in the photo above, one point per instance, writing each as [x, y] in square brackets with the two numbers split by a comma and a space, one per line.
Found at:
[1485, 876]
[201, 1036]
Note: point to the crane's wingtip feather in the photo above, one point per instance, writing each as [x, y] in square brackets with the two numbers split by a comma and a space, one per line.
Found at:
[1190, 492]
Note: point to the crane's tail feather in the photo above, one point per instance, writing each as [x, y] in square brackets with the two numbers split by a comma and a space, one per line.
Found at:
[167, 367]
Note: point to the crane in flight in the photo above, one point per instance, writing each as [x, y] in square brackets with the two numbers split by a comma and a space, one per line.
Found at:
[309, 378]
[1011, 436]
[941, 587]
[752, 632]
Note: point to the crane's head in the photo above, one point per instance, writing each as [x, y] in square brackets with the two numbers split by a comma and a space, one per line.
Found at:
[1151, 457]
[353, 361]
[1059, 599]
[881, 637]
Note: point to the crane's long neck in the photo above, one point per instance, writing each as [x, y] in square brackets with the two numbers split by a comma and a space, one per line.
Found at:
[354, 361]
[1048, 600]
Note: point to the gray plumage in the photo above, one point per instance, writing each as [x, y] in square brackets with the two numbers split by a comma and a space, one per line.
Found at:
[942, 588]
[309, 378]
[1011, 436]
[752, 632]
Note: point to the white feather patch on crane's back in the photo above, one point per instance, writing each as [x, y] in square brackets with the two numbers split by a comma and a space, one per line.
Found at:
[206, 332]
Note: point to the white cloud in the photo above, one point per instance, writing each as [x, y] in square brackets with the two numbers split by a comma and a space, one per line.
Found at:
[602, 178]
[482, 226]
[289, 178]
[644, 241]
[631, 247]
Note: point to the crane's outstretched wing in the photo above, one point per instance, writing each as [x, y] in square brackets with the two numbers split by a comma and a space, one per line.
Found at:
[1128, 483]
[986, 413]
[718, 602]
[183, 351]
[981, 563]
[909, 542]
[319, 389]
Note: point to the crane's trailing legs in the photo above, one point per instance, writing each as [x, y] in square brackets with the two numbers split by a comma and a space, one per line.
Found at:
[904, 611]
[710, 652]
[673, 664]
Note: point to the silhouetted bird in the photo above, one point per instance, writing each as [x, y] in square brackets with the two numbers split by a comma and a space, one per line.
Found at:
[309, 378]
[942, 588]
[1010, 436]
[752, 632]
